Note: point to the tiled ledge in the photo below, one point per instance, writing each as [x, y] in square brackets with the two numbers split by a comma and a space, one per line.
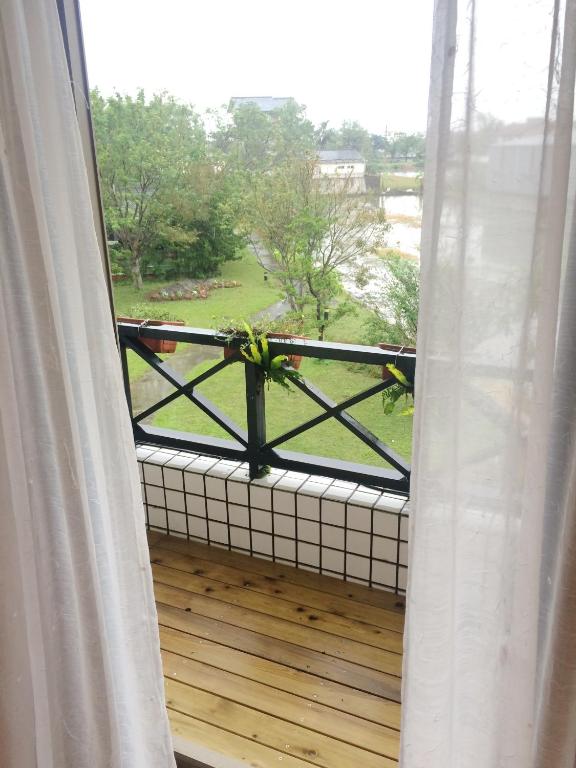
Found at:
[323, 525]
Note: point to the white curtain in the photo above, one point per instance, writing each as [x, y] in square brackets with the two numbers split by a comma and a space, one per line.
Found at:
[490, 664]
[80, 674]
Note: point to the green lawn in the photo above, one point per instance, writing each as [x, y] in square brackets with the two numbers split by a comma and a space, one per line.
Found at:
[285, 410]
[253, 295]
[396, 183]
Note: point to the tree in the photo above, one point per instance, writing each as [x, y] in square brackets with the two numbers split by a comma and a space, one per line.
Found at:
[253, 141]
[166, 203]
[350, 135]
[314, 229]
[198, 231]
[406, 146]
[395, 314]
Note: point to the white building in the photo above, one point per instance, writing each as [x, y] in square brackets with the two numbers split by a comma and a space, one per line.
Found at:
[342, 167]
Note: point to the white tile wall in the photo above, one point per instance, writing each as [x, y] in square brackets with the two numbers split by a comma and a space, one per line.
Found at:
[175, 500]
[335, 527]
[308, 507]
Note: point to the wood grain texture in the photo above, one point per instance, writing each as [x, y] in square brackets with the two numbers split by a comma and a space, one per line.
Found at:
[264, 663]
[292, 656]
[273, 605]
[336, 605]
[376, 597]
[269, 731]
[273, 627]
[283, 677]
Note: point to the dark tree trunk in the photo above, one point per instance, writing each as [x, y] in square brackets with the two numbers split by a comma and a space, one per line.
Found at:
[320, 320]
[136, 272]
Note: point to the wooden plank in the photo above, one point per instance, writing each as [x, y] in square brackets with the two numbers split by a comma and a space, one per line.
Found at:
[264, 729]
[317, 663]
[154, 537]
[282, 705]
[279, 588]
[376, 597]
[296, 613]
[284, 678]
[305, 636]
[192, 737]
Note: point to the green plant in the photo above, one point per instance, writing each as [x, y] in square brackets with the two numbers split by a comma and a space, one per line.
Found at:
[402, 388]
[149, 312]
[257, 352]
[395, 314]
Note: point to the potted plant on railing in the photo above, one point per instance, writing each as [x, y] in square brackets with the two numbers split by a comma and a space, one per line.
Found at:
[278, 329]
[402, 388]
[288, 328]
[257, 351]
[146, 315]
[398, 349]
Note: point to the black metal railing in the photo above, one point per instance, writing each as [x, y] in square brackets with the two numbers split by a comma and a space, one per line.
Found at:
[251, 445]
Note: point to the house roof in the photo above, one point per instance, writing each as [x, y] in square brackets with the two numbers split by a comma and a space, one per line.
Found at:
[264, 103]
[338, 155]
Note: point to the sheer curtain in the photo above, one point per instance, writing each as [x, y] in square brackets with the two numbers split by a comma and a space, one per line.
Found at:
[80, 674]
[491, 628]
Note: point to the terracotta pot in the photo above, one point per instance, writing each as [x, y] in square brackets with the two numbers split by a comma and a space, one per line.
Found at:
[159, 346]
[294, 360]
[397, 349]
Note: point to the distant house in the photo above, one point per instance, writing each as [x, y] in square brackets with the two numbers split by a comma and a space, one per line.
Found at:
[345, 167]
[264, 103]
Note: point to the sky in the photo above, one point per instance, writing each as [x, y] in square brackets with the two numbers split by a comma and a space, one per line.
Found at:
[367, 60]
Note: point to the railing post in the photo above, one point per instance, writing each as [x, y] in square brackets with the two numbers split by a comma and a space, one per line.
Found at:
[255, 416]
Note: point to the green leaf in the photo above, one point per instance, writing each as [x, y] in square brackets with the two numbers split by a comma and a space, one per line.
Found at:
[246, 355]
[265, 351]
[256, 356]
[398, 375]
[277, 361]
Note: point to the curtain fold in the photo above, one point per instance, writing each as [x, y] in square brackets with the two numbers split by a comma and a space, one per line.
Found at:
[80, 673]
[490, 667]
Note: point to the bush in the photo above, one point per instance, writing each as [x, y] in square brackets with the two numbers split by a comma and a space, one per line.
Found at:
[395, 316]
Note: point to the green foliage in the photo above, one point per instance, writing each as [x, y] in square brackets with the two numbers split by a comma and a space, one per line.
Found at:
[350, 135]
[151, 312]
[391, 182]
[402, 388]
[312, 231]
[251, 141]
[380, 152]
[395, 314]
[336, 379]
[257, 352]
[166, 206]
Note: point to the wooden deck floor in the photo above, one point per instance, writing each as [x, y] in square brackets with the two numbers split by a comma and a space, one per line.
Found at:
[266, 665]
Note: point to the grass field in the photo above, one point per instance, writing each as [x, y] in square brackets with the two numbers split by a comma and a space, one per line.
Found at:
[395, 183]
[283, 410]
[286, 410]
[253, 295]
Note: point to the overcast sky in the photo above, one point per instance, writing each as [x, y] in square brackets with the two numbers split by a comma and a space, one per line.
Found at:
[366, 60]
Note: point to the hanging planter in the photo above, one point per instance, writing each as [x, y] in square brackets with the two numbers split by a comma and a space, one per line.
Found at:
[397, 349]
[240, 333]
[294, 360]
[159, 346]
